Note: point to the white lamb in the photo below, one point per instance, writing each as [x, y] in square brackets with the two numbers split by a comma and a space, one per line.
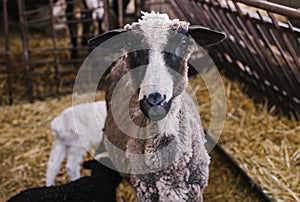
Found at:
[76, 129]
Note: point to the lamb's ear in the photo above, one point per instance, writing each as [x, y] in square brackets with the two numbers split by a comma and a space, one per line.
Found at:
[97, 40]
[205, 36]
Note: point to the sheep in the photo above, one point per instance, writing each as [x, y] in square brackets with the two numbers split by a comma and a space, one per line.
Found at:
[59, 14]
[93, 10]
[59, 10]
[75, 130]
[100, 186]
[154, 136]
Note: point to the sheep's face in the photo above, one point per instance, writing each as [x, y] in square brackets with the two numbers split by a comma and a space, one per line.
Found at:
[160, 70]
[59, 8]
[162, 65]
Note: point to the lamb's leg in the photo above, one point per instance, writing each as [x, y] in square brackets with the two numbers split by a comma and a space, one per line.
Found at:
[57, 155]
[75, 157]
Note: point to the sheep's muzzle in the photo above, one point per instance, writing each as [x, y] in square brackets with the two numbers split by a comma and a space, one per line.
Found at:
[155, 107]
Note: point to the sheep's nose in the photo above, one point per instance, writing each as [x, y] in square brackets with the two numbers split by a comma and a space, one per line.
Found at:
[155, 99]
[155, 106]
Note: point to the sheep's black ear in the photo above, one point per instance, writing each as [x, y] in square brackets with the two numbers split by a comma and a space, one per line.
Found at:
[205, 36]
[96, 41]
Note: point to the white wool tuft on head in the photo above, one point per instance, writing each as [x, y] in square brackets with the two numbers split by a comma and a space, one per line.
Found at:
[156, 28]
[157, 21]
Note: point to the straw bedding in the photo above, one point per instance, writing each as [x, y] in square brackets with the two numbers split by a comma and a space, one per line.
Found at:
[265, 145]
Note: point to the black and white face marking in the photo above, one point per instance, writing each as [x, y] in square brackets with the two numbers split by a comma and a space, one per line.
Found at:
[137, 60]
[163, 46]
[165, 75]
[179, 47]
[156, 87]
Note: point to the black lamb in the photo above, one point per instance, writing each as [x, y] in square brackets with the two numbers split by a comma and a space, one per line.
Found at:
[100, 186]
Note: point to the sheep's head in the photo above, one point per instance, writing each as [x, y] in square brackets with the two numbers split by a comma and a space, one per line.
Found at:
[59, 8]
[167, 45]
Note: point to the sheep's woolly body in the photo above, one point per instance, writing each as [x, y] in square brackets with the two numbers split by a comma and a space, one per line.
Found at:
[75, 129]
[187, 176]
[190, 167]
[173, 153]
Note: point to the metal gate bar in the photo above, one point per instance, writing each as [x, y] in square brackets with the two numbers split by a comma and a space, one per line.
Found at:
[6, 63]
[28, 74]
[260, 49]
[47, 66]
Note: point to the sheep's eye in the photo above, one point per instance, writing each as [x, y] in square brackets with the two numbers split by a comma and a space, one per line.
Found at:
[174, 61]
[138, 58]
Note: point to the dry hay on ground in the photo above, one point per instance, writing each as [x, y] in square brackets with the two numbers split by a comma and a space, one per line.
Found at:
[25, 142]
[265, 145]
